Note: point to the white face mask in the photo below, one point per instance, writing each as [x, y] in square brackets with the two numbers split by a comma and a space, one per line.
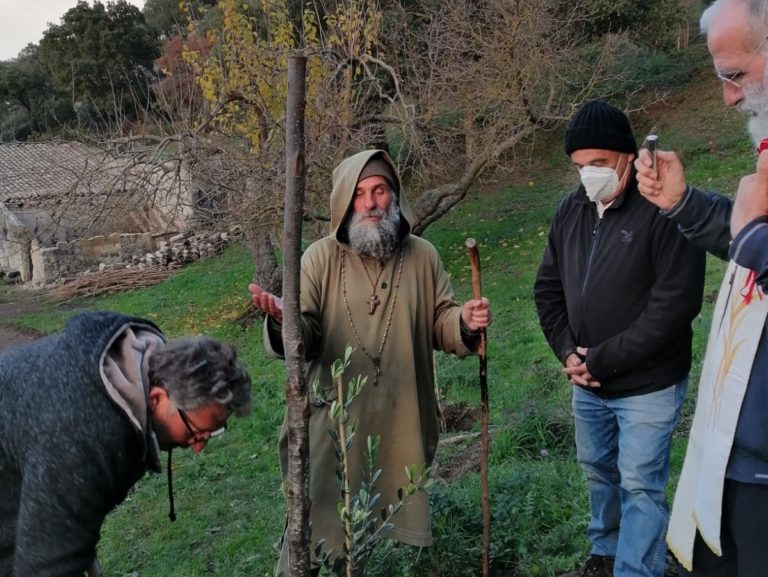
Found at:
[600, 182]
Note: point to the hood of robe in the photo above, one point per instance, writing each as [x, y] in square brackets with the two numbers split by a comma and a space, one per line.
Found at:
[345, 177]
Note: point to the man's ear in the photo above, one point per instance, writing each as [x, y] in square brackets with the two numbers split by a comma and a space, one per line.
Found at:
[156, 396]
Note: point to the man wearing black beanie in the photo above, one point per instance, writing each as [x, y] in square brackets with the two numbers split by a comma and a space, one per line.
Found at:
[616, 292]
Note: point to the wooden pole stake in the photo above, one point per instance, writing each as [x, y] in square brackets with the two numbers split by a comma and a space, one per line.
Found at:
[477, 291]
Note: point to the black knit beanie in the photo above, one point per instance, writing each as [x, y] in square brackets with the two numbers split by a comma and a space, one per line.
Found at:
[597, 124]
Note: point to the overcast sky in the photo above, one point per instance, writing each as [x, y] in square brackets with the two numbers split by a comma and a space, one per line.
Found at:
[24, 21]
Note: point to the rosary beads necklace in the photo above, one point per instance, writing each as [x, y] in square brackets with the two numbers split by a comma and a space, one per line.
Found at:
[376, 360]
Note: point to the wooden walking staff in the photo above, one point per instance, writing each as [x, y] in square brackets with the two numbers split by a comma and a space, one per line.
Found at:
[477, 292]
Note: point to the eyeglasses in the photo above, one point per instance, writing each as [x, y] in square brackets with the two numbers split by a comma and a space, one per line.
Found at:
[734, 78]
[197, 431]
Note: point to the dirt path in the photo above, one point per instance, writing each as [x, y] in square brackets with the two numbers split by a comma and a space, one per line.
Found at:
[16, 301]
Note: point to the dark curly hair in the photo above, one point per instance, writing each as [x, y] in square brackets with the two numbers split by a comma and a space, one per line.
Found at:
[197, 371]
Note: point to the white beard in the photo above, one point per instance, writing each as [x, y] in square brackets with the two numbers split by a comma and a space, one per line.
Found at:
[755, 106]
[375, 239]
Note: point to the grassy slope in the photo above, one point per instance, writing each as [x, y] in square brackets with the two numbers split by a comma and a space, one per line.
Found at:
[228, 497]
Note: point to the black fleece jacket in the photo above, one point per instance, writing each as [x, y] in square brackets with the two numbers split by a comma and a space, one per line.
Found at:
[626, 286]
[68, 454]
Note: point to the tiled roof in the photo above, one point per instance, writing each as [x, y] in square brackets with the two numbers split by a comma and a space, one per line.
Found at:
[43, 169]
[46, 171]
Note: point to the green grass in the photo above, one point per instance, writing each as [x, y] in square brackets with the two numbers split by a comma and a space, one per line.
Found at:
[228, 497]
[205, 297]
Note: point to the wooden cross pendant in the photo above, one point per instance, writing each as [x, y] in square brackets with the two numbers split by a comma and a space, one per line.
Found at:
[373, 301]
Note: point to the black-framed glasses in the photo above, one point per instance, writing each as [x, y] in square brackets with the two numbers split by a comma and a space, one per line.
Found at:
[196, 431]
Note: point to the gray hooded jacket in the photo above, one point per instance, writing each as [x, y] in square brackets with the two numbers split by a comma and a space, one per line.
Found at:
[74, 438]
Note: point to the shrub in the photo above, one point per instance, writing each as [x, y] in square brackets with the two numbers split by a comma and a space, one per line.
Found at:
[539, 515]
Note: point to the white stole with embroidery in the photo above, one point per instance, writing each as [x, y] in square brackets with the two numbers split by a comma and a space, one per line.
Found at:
[737, 324]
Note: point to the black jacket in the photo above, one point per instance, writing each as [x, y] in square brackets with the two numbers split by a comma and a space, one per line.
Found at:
[626, 286]
[68, 453]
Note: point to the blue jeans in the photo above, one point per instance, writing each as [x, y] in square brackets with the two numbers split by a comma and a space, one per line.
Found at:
[623, 447]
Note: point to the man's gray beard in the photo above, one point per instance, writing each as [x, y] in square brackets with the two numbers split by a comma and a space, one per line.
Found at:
[375, 239]
[755, 105]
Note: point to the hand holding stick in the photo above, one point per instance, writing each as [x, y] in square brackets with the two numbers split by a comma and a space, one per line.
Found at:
[477, 293]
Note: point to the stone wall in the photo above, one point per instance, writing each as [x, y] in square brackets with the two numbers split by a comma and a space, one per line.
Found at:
[67, 259]
[14, 246]
[141, 250]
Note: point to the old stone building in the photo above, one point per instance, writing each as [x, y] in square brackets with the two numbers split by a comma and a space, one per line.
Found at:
[53, 193]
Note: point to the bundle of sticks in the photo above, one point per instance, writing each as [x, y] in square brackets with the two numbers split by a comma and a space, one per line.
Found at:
[109, 282]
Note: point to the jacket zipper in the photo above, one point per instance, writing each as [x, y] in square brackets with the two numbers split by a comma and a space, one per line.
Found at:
[592, 250]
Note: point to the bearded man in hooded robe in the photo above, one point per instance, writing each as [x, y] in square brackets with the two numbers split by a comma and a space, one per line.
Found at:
[373, 285]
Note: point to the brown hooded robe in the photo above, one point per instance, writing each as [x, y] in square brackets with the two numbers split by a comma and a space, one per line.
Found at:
[401, 409]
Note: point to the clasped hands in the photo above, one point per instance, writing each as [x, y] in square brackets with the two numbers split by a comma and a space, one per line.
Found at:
[576, 369]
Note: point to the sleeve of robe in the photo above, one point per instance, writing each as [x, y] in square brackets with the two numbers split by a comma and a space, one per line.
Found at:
[750, 249]
[447, 312]
[310, 316]
[704, 219]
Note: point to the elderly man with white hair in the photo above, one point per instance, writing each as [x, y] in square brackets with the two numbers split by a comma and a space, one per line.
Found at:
[720, 515]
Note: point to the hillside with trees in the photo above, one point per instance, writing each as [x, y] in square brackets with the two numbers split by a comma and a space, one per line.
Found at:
[456, 91]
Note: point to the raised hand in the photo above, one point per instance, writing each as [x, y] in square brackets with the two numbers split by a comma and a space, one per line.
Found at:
[266, 302]
[664, 186]
[752, 198]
